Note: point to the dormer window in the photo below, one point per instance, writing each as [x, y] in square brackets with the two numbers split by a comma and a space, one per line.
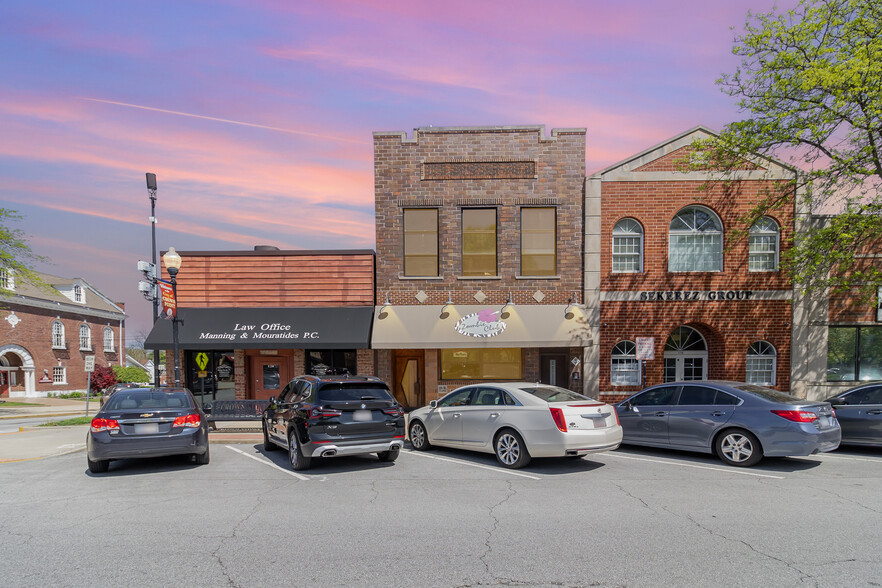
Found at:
[6, 280]
[78, 293]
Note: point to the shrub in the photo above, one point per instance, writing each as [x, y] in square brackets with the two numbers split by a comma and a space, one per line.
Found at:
[103, 377]
[130, 374]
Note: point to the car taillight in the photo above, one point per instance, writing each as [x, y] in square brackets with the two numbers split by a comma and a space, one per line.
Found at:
[616, 413]
[394, 411]
[797, 416]
[319, 413]
[99, 425]
[557, 415]
[190, 420]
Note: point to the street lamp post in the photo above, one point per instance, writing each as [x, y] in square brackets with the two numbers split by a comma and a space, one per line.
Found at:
[151, 190]
[172, 262]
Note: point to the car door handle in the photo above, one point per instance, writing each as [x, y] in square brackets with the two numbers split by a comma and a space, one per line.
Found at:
[874, 411]
[493, 415]
[456, 415]
[661, 413]
[718, 413]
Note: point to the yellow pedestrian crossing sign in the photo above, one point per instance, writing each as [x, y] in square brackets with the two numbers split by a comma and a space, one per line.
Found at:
[202, 360]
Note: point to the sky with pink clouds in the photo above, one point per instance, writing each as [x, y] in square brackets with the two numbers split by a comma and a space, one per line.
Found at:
[256, 116]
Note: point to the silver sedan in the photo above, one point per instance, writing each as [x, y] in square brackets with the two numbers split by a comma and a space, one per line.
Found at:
[738, 422]
[516, 421]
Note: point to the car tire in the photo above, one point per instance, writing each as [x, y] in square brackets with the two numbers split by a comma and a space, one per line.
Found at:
[299, 462]
[268, 445]
[419, 438]
[203, 458]
[390, 455]
[98, 467]
[738, 447]
[510, 449]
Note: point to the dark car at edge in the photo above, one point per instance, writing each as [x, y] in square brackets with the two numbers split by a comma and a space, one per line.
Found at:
[859, 411]
[327, 416]
[147, 422]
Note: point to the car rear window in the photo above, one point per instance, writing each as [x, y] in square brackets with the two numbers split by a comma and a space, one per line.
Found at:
[553, 393]
[344, 392]
[768, 393]
[125, 400]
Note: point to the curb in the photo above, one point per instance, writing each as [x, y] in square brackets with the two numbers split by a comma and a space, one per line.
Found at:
[49, 415]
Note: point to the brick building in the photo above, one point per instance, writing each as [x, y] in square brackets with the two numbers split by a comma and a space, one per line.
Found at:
[249, 321]
[714, 306]
[47, 332]
[479, 258]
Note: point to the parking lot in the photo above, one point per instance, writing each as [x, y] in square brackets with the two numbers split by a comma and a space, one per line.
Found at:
[632, 517]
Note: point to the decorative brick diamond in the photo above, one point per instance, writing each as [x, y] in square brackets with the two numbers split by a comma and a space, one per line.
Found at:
[538, 296]
[421, 296]
[480, 296]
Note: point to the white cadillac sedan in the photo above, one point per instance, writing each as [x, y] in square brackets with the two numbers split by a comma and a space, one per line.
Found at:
[516, 421]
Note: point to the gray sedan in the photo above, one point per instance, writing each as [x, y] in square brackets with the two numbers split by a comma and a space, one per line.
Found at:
[738, 422]
[859, 412]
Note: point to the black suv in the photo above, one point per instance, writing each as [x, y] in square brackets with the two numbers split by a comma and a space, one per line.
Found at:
[324, 416]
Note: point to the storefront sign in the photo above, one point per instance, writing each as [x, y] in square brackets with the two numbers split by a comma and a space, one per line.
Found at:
[676, 295]
[484, 323]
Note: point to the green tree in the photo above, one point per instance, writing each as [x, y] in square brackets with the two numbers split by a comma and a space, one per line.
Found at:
[16, 255]
[810, 82]
[127, 374]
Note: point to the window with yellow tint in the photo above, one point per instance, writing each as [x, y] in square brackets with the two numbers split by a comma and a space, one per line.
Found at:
[538, 241]
[479, 242]
[421, 242]
[481, 364]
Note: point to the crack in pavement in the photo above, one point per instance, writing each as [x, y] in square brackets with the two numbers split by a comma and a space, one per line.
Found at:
[803, 576]
[626, 493]
[488, 547]
[375, 491]
[844, 499]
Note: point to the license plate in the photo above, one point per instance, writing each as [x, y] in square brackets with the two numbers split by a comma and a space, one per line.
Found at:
[146, 428]
[362, 415]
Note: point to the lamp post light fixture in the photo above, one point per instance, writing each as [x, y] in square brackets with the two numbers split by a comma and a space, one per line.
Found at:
[505, 312]
[172, 262]
[445, 310]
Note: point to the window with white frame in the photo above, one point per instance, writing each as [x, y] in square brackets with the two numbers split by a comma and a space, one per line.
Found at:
[59, 375]
[57, 334]
[763, 247]
[7, 281]
[78, 293]
[695, 241]
[627, 246]
[625, 369]
[85, 338]
[108, 339]
[761, 359]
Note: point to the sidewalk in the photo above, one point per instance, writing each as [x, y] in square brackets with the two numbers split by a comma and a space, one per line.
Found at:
[30, 443]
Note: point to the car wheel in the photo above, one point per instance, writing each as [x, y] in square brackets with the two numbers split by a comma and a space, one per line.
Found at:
[390, 455]
[267, 444]
[738, 447]
[418, 436]
[511, 452]
[299, 462]
[98, 467]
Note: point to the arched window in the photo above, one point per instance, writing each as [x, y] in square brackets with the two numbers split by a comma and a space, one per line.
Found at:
[627, 246]
[695, 241]
[108, 339]
[685, 355]
[85, 338]
[763, 248]
[761, 363]
[624, 369]
[57, 334]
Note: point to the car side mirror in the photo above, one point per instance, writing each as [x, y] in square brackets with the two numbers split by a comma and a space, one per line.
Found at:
[838, 402]
[433, 404]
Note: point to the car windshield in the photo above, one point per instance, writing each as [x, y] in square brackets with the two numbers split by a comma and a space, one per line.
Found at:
[769, 394]
[345, 392]
[553, 393]
[128, 400]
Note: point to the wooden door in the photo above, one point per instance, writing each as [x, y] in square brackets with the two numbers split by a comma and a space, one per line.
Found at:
[408, 378]
[268, 376]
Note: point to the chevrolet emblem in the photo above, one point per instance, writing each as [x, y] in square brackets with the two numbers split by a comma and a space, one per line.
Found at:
[146, 414]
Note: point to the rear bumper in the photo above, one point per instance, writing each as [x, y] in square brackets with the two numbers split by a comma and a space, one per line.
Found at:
[800, 440]
[101, 446]
[579, 442]
[334, 449]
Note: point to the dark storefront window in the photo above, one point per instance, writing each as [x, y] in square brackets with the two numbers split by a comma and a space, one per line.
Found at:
[854, 353]
[321, 362]
[219, 381]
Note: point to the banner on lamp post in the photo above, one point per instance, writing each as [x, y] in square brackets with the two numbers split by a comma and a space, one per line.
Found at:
[167, 296]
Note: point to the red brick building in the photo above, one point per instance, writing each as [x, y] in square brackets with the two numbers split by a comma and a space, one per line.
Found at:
[479, 258]
[47, 333]
[252, 320]
[702, 304]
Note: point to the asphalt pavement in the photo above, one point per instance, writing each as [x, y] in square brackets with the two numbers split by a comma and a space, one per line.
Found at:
[36, 442]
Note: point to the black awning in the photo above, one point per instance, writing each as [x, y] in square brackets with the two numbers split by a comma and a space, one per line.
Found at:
[266, 328]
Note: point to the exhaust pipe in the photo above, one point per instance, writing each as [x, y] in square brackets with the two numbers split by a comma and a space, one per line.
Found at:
[329, 453]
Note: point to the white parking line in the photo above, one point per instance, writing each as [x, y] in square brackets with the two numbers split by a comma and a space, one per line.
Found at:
[474, 465]
[268, 463]
[690, 465]
[825, 456]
